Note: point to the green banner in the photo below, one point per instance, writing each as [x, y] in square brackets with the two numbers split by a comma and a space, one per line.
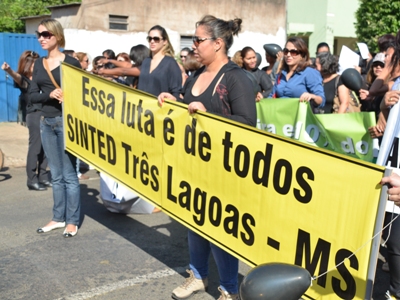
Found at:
[342, 133]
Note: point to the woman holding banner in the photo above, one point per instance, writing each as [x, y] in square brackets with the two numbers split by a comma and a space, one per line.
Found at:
[297, 79]
[219, 87]
[45, 89]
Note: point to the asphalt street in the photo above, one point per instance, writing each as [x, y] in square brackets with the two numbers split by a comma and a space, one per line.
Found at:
[113, 257]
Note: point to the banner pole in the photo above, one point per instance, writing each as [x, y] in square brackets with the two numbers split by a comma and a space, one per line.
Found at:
[380, 216]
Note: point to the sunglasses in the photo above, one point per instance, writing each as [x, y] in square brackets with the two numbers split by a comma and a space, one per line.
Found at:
[44, 34]
[156, 39]
[33, 54]
[378, 64]
[293, 52]
[196, 40]
[183, 56]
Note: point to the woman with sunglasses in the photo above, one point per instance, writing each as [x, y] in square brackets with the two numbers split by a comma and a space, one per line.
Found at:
[83, 59]
[36, 161]
[296, 78]
[220, 87]
[160, 72]
[66, 190]
[265, 85]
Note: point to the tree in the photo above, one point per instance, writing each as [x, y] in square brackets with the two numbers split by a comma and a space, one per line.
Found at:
[376, 18]
[12, 10]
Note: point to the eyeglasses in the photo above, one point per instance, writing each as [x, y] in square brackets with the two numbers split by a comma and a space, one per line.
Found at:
[293, 52]
[45, 34]
[183, 56]
[378, 64]
[86, 61]
[156, 39]
[196, 40]
[33, 54]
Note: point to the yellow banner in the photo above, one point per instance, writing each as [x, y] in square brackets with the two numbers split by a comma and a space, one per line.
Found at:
[262, 197]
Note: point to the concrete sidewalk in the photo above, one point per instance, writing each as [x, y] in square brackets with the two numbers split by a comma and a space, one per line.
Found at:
[14, 139]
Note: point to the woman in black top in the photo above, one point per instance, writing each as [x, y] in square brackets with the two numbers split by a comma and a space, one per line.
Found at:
[36, 162]
[220, 87]
[250, 64]
[328, 66]
[66, 190]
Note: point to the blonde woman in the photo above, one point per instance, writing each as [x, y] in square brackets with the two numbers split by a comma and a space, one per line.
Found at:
[160, 72]
[66, 189]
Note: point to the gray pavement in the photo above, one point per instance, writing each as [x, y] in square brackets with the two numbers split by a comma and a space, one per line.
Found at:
[114, 256]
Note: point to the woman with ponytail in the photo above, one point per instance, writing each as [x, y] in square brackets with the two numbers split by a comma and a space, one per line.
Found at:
[220, 87]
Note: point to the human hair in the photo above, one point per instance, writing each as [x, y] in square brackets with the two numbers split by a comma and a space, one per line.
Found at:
[396, 55]
[109, 53]
[370, 78]
[69, 52]
[187, 49]
[138, 54]
[56, 29]
[26, 60]
[220, 29]
[237, 58]
[386, 41]
[322, 45]
[191, 64]
[167, 50]
[245, 50]
[329, 63]
[80, 56]
[301, 46]
[124, 55]
[94, 62]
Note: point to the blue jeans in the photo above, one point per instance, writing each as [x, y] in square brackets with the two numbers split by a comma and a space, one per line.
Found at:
[228, 266]
[66, 189]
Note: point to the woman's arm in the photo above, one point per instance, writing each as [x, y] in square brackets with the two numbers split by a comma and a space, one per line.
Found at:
[118, 63]
[132, 71]
[266, 84]
[344, 98]
[315, 90]
[17, 77]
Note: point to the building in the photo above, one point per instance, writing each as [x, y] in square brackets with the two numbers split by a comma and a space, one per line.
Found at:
[330, 21]
[93, 26]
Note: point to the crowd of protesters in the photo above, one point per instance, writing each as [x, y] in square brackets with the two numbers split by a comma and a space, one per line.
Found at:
[195, 77]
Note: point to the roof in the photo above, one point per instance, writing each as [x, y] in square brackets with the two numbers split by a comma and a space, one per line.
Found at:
[64, 5]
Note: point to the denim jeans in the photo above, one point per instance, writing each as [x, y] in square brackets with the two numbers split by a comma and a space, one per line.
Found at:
[228, 265]
[66, 189]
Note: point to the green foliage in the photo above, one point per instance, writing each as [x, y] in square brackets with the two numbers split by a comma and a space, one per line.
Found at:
[12, 10]
[376, 18]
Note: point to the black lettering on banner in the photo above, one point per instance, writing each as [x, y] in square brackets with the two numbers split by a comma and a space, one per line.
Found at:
[154, 175]
[287, 176]
[311, 260]
[98, 99]
[92, 132]
[84, 135]
[242, 168]
[100, 143]
[204, 143]
[169, 130]
[199, 206]
[170, 196]
[350, 283]
[190, 138]
[226, 142]
[128, 150]
[231, 223]
[306, 198]
[393, 154]
[144, 170]
[185, 197]
[215, 211]
[133, 117]
[262, 167]
[70, 123]
[111, 150]
[263, 159]
[85, 91]
[248, 236]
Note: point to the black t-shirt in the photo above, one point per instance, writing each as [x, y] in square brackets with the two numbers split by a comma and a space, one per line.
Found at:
[330, 90]
[41, 86]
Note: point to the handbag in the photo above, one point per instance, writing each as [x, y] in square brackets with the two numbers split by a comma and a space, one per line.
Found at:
[46, 66]
[354, 103]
